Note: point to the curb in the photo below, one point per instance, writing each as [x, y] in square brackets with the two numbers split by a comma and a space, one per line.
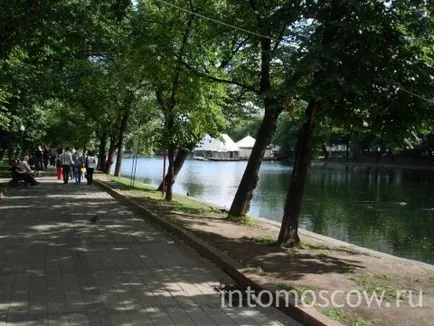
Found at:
[304, 315]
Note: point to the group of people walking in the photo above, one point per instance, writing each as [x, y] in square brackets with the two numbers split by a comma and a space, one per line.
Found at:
[69, 164]
[73, 162]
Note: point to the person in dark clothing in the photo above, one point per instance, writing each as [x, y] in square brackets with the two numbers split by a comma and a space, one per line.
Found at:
[39, 164]
[45, 157]
[53, 156]
[67, 162]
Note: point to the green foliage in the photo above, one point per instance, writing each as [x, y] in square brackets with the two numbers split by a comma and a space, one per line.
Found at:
[244, 126]
[266, 239]
[307, 245]
[41, 44]
[381, 285]
[287, 132]
[67, 69]
[189, 106]
[244, 220]
[254, 269]
[347, 317]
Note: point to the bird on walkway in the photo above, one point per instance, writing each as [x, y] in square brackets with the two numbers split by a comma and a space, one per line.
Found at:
[93, 219]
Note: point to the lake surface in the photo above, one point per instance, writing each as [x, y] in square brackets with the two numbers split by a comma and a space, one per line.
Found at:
[386, 210]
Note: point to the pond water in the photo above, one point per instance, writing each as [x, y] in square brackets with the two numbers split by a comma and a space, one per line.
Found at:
[386, 210]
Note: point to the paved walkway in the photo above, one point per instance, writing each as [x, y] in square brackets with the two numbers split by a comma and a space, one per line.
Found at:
[58, 269]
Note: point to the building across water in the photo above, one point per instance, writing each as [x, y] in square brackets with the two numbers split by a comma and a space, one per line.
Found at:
[246, 145]
[221, 148]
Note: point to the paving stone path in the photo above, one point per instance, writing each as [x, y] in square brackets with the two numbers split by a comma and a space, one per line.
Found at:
[58, 269]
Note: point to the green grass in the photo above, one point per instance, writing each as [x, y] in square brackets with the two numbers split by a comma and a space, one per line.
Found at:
[140, 186]
[290, 287]
[182, 203]
[351, 270]
[4, 165]
[380, 284]
[346, 317]
[334, 313]
[266, 240]
[244, 220]
[307, 245]
[254, 269]
[299, 290]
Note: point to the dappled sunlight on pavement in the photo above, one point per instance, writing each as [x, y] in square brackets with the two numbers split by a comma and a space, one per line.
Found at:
[59, 269]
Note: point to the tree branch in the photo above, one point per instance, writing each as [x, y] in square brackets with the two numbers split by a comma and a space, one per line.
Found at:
[279, 39]
[220, 80]
[234, 51]
[175, 83]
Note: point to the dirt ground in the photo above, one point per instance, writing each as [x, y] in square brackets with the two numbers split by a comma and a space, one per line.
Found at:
[319, 264]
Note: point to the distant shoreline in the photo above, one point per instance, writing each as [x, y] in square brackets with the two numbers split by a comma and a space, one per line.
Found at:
[373, 165]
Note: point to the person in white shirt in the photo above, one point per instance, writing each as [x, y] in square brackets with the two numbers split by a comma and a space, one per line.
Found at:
[66, 161]
[77, 158]
[90, 166]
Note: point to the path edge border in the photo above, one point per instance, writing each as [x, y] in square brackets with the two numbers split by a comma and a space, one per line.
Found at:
[304, 315]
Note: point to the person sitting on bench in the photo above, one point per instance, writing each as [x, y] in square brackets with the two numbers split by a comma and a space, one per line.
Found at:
[26, 172]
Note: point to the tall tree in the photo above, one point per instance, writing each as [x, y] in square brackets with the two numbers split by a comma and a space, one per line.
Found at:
[190, 107]
[39, 39]
[372, 90]
[249, 57]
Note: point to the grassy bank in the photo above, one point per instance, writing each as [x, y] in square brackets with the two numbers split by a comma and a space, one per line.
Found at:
[180, 203]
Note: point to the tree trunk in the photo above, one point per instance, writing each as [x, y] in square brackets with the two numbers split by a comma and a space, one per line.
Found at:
[288, 236]
[178, 163]
[122, 129]
[171, 173]
[101, 151]
[241, 203]
[110, 154]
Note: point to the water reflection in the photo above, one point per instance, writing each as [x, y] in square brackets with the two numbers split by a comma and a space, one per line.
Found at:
[390, 210]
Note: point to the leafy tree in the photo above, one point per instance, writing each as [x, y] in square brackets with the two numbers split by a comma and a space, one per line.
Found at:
[39, 39]
[356, 92]
[250, 58]
[189, 106]
[244, 126]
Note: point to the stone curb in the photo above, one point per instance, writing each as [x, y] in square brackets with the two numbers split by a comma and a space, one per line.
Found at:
[305, 315]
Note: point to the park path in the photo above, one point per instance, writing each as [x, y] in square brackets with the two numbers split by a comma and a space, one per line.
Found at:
[58, 269]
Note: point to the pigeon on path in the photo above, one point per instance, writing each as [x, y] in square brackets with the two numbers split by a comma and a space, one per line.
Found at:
[93, 219]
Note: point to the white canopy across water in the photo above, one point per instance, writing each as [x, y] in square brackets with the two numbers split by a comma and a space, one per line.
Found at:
[224, 143]
[246, 142]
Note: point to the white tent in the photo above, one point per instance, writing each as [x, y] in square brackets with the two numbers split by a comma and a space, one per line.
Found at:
[246, 142]
[220, 148]
[246, 145]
